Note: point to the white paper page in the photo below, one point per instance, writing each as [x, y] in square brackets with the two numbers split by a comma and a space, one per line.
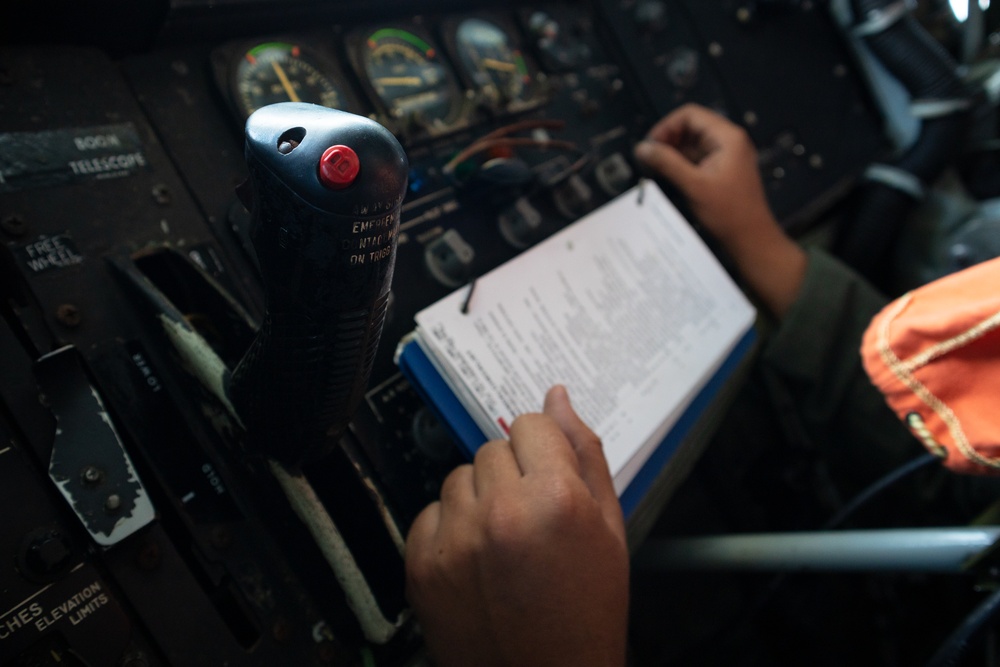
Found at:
[627, 308]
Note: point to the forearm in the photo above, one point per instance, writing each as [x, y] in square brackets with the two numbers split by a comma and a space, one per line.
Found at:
[772, 265]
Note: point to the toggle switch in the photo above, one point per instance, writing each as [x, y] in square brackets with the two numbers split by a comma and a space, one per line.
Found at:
[614, 174]
[573, 198]
[449, 259]
[520, 224]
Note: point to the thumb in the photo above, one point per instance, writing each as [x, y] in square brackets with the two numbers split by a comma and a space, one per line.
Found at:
[589, 451]
[666, 161]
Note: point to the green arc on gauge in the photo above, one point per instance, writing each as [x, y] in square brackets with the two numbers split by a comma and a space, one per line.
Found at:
[255, 51]
[403, 35]
[519, 62]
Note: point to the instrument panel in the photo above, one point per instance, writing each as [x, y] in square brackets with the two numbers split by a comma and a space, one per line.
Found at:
[422, 83]
[517, 121]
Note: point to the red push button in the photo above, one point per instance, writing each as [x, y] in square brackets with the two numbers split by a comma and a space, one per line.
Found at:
[338, 167]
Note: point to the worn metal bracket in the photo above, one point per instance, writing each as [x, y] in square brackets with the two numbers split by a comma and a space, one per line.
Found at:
[89, 465]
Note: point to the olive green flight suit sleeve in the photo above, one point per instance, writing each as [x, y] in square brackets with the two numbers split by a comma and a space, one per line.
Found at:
[813, 357]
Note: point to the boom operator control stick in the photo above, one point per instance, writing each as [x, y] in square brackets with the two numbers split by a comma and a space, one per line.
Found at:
[324, 195]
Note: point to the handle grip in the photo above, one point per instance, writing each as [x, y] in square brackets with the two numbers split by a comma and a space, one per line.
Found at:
[324, 195]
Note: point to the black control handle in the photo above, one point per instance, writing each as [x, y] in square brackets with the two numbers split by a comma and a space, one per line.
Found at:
[324, 195]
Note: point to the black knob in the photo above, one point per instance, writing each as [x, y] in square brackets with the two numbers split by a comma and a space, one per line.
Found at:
[324, 195]
[46, 554]
[651, 15]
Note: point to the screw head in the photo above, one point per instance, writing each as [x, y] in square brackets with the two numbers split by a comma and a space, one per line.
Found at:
[14, 224]
[69, 315]
[148, 557]
[92, 475]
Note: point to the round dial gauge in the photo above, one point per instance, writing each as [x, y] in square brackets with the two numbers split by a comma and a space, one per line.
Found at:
[279, 72]
[408, 75]
[494, 63]
[558, 48]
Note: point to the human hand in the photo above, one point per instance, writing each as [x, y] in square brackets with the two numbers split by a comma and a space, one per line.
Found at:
[714, 164]
[524, 562]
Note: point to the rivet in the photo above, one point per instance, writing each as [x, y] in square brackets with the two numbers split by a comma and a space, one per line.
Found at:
[281, 630]
[113, 503]
[221, 538]
[161, 194]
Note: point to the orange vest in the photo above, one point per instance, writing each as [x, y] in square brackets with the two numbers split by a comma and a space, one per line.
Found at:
[934, 353]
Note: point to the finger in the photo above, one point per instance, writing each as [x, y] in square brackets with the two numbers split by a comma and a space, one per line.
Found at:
[539, 445]
[667, 161]
[458, 491]
[420, 553]
[670, 126]
[687, 120]
[423, 529]
[698, 133]
[494, 466]
[593, 465]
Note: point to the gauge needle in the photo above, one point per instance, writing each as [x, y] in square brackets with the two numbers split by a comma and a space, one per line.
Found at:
[285, 83]
[498, 65]
[399, 81]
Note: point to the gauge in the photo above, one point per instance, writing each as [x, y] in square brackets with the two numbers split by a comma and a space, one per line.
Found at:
[494, 63]
[281, 72]
[558, 48]
[410, 78]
